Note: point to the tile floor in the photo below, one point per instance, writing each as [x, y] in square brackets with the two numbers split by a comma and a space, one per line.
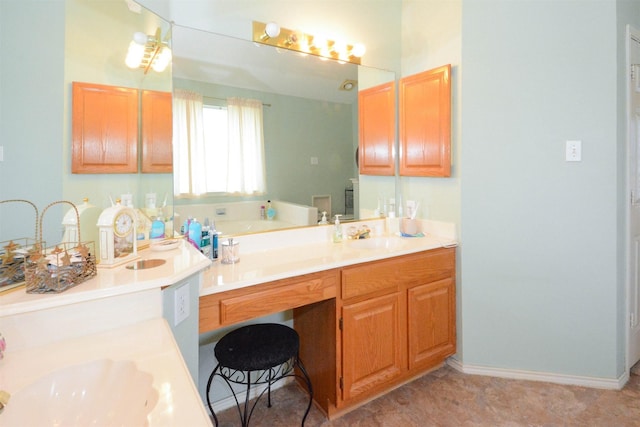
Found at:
[446, 397]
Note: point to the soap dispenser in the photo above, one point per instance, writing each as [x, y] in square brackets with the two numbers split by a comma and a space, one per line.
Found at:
[337, 230]
[324, 219]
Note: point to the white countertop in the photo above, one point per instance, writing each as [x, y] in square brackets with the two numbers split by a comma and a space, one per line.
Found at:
[178, 401]
[115, 315]
[289, 258]
[180, 263]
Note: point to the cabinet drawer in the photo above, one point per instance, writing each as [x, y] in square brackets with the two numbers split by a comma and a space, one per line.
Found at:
[427, 267]
[408, 270]
[369, 279]
[290, 295]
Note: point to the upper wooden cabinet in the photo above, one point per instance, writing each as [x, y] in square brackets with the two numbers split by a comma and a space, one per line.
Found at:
[104, 129]
[376, 115]
[157, 125]
[425, 123]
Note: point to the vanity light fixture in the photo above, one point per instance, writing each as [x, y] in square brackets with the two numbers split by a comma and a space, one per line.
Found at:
[149, 52]
[307, 43]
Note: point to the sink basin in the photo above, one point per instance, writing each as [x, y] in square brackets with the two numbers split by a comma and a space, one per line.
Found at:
[103, 392]
[380, 243]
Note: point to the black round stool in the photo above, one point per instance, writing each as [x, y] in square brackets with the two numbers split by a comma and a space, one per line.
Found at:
[270, 350]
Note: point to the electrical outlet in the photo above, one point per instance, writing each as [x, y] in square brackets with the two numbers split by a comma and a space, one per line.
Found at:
[181, 300]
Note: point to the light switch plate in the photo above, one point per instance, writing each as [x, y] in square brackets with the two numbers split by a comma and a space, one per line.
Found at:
[573, 151]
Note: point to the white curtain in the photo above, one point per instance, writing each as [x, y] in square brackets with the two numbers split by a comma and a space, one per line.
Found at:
[211, 161]
[245, 157]
[189, 156]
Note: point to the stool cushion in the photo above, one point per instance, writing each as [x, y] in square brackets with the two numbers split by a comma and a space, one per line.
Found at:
[257, 347]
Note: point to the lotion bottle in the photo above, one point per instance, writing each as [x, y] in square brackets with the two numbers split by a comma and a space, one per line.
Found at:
[337, 230]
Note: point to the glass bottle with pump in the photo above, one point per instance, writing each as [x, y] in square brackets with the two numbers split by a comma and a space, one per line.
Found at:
[337, 230]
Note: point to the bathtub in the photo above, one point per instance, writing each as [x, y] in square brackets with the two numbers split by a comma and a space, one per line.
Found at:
[244, 217]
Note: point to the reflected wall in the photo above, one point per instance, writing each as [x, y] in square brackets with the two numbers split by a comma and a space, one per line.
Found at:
[97, 36]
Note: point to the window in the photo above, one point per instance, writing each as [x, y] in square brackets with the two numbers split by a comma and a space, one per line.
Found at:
[216, 141]
[216, 149]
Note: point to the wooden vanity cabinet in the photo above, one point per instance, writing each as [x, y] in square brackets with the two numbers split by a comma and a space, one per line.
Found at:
[425, 123]
[364, 329]
[157, 127]
[377, 127]
[397, 321]
[104, 129]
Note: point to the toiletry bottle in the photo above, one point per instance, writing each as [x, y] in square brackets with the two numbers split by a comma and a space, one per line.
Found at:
[324, 219]
[157, 228]
[262, 212]
[270, 211]
[205, 243]
[213, 240]
[185, 227]
[195, 233]
[337, 230]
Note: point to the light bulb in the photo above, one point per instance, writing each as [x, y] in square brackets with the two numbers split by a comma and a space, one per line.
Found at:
[358, 50]
[162, 60]
[140, 38]
[272, 29]
[134, 55]
[303, 44]
[319, 42]
[340, 47]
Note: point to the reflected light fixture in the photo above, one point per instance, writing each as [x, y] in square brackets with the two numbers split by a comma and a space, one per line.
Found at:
[148, 52]
[273, 35]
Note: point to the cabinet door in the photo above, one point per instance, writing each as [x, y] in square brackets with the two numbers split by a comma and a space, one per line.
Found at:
[105, 129]
[157, 126]
[432, 322]
[425, 123]
[376, 115]
[372, 344]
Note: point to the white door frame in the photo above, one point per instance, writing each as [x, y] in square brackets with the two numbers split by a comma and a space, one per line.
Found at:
[631, 271]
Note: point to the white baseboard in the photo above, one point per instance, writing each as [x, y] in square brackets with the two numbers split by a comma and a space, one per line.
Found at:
[516, 374]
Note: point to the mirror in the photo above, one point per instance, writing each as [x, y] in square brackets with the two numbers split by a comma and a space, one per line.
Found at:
[310, 120]
[97, 36]
[327, 131]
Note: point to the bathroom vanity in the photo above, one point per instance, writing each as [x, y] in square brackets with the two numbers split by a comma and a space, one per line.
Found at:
[372, 314]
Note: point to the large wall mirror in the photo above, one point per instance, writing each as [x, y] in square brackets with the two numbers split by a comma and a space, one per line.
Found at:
[310, 121]
[310, 114]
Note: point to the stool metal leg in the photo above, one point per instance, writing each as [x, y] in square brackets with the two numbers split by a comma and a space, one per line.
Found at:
[247, 414]
[269, 379]
[213, 374]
